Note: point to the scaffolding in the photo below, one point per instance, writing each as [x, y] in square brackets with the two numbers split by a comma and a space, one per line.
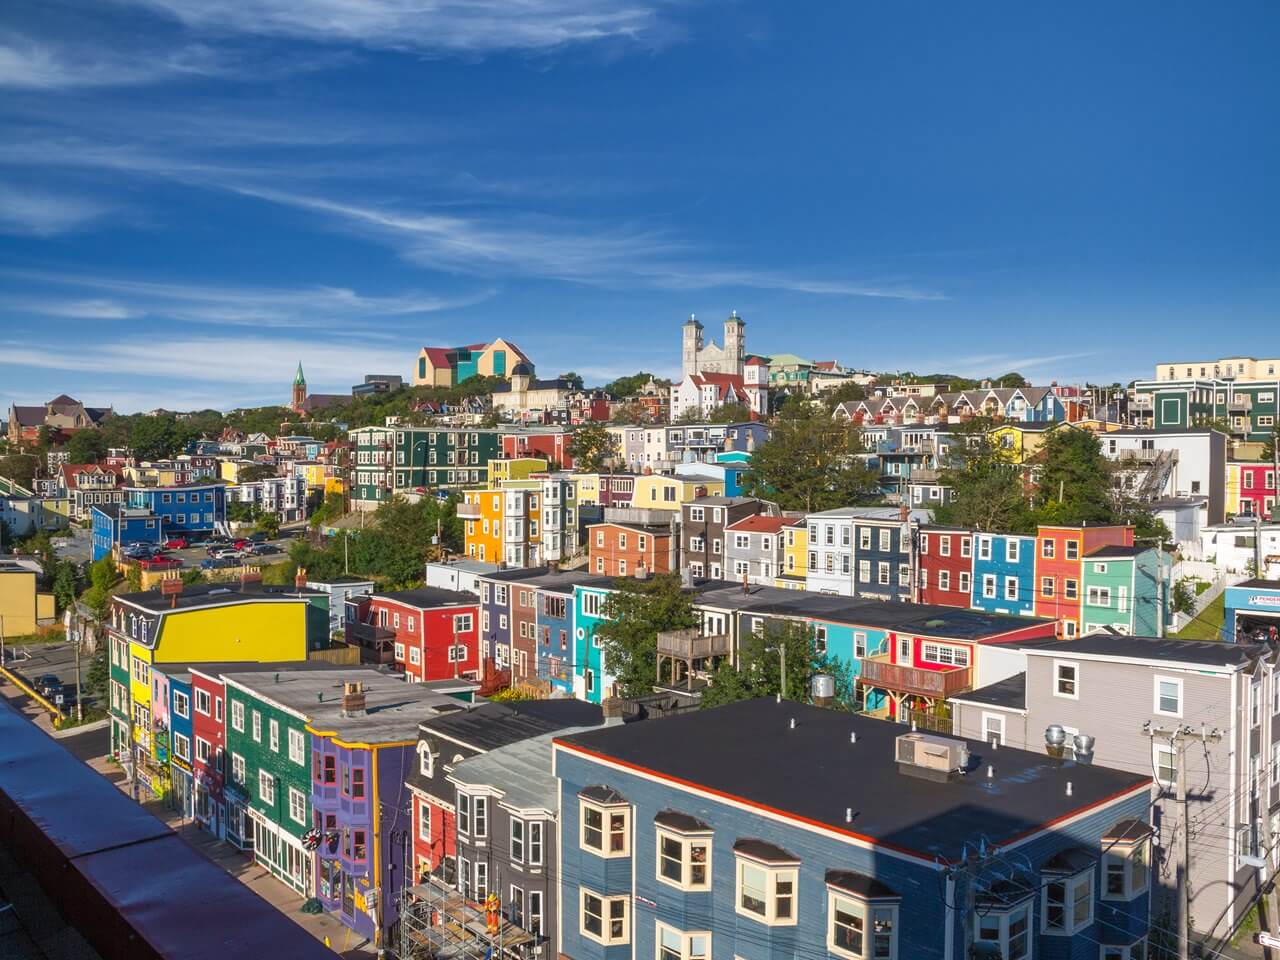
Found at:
[439, 923]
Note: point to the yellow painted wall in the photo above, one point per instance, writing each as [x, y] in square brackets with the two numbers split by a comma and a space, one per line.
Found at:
[139, 692]
[241, 632]
[46, 607]
[795, 543]
[649, 495]
[517, 468]
[1233, 488]
[588, 488]
[18, 602]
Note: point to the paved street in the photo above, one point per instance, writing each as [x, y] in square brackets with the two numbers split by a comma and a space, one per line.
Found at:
[92, 746]
[38, 659]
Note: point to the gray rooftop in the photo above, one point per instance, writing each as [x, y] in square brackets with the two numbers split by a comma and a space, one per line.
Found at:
[521, 770]
[393, 707]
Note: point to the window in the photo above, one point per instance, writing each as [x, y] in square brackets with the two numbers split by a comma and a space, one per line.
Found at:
[273, 729]
[684, 861]
[1008, 931]
[1066, 679]
[966, 548]
[1046, 549]
[984, 548]
[675, 944]
[884, 541]
[944, 579]
[424, 821]
[1255, 703]
[1070, 589]
[1168, 696]
[989, 586]
[181, 747]
[944, 546]
[1011, 550]
[1135, 951]
[944, 654]
[534, 831]
[266, 787]
[1126, 871]
[861, 929]
[965, 584]
[1073, 549]
[257, 726]
[766, 893]
[237, 768]
[357, 783]
[415, 655]
[604, 919]
[330, 775]
[358, 847]
[182, 704]
[993, 728]
[1068, 904]
[605, 830]
[1011, 588]
[297, 805]
[882, 573]
[203, 750]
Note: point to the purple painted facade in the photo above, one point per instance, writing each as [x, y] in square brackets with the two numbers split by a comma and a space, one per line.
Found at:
[369, 832]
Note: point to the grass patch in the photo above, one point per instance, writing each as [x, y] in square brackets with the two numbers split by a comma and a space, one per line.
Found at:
[52, 635]
[1201, 586]
[1208, 623]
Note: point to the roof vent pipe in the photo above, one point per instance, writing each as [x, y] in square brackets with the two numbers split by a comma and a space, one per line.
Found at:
[1068, 788]
[848, 814]
[793, 723]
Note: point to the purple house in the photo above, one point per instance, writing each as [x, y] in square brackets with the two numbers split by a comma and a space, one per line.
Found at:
[363, 819]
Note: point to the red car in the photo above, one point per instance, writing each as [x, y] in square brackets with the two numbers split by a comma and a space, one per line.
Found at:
[176, 543]
[240, 544]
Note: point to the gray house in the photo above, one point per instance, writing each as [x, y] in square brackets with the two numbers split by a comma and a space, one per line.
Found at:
[753, 549]
[702, 525]
[507, 801]
[1129, 694]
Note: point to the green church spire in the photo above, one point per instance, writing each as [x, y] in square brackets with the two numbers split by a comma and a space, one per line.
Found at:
[299, 380]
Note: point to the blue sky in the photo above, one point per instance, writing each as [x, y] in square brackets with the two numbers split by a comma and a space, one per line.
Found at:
[197, 194]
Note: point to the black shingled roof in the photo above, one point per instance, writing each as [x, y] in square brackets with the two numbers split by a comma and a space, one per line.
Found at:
[748, 751]
[487, 725]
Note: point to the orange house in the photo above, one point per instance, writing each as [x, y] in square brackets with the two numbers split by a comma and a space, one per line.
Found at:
[622, 549]
[482, 513]
[1060, 553]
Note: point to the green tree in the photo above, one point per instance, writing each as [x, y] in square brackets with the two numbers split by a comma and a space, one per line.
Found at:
[1012, 379]
[630, 413]
[844, 392]
[20, 468]
[259, 471]
[98, 674]
[760, 665]
[574, 379]
[634, 616]
[153, 438]
[1182, 599]
[987, 486]
[327, 512]
[591, 447]
[269, 524]
[728, 413]
[1269, 447]
[239, 511]
[810, 462]
[87, 446]
[103, 575]
[1076, 480]
[628, 386]
[66, 584]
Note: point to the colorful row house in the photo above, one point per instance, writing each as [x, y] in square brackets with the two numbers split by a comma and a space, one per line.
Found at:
[1251, 490]
[523, 522]
[426, 634]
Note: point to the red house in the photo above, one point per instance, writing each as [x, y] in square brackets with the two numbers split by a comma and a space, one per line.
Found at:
[208, 745]
[1060, 553]
[946, 566]
[436, 632]
[1257, 490]
[551, 443]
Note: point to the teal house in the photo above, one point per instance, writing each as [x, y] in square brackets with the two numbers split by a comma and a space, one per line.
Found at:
[590, 680]
[1119, 589]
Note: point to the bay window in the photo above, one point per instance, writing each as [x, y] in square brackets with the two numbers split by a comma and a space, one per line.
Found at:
[604, 919]
[862, 929]
[675, 944]
[606, 824]
[767, 877]
[684, 855]
[1006, 930]
[1068, 904]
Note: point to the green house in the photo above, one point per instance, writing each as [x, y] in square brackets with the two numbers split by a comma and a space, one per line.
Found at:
[1121, 589]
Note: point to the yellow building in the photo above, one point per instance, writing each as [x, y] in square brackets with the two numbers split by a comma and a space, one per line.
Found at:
[22, 606]
[1020, 441]
[795, 555]
[516, 468]
[588, 487]
[660, 492]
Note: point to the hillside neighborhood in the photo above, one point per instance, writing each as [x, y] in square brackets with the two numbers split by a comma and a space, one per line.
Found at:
[546, 628]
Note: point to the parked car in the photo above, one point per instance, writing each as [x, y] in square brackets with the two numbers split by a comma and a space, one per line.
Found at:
[226, 554]
[215, 564]
[240, 544]
[136, 550]
[258, 537]
[265, 548]
[216, 540]
[176, 543]
[47, 685]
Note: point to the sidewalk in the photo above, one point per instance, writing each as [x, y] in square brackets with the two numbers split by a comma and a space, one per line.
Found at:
[321, 925]
[243, 868]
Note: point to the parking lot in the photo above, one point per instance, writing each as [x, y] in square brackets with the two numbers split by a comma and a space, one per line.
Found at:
[33, 661]
[194, 555]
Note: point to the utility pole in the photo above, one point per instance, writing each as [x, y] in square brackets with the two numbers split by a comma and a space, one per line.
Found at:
[1257, 544]
[1178, 738]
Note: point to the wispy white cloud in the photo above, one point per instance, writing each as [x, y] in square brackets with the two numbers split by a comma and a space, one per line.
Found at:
[27, 63]
[32, 212]
[316, 307]
[431, 26]
[996, 363]
[685, 279]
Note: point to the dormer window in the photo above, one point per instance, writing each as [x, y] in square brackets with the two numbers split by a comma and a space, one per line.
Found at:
[426, 759]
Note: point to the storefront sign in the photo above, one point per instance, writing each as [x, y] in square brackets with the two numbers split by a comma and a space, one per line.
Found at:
[1265, 600]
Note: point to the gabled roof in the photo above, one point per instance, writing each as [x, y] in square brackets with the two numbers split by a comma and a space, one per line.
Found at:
[759, 523]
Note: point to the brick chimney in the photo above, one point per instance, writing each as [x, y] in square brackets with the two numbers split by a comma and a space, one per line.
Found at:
[353, 704]
[300, 578]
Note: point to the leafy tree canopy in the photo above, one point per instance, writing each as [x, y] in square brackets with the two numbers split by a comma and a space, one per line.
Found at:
[760, 664]
[592, 445]
[628, 386]
[634, 616]
[87, 446]
[810, 462]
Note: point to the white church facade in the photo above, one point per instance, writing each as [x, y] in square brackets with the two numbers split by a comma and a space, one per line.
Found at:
[713, 375]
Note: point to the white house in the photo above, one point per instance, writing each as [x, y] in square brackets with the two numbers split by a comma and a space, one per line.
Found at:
[1174, 463]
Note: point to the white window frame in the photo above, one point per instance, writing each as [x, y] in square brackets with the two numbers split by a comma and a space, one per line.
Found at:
[774, 875]
[685, 863]
[606, 937]
[1161, 750]
[607, 830]
[1003, 917]
[1074, 693]
[297, 802]
[865, 911]
[693, 944]
[273, 732]
[1126, 856]
[297, 747]
[1156, 698]
[1071, 925]
[987, 732]
[266, 785]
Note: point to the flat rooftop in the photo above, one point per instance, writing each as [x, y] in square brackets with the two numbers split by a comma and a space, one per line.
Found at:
[393, 707]
[426, 598]
[747, 752]
[1212, 653]
[213, 594]
[489, 725]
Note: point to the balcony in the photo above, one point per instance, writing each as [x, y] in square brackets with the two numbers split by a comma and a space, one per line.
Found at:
[1240, 403]
[924, 475]
[468, 511]
[377, 644]
[691, 645]
[939, 684]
